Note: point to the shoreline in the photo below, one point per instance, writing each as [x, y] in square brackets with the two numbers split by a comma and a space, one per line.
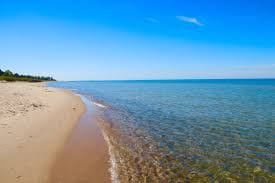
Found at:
[35, 124]
[85, 156]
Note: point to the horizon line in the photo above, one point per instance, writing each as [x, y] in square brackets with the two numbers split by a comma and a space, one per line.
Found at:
[166, 79]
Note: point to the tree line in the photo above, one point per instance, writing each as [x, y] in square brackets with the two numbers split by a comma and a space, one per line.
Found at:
[10, 76]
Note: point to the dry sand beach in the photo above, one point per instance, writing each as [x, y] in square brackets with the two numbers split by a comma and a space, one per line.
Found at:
[35, 123]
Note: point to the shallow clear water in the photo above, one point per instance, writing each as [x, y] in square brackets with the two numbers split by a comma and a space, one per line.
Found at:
[188, 130]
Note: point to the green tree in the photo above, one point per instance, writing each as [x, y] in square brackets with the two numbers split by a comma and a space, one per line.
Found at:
[9, 76]
[8, 73]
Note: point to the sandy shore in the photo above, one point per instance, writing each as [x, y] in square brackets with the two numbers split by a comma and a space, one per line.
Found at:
[35, 122]
[84, 157]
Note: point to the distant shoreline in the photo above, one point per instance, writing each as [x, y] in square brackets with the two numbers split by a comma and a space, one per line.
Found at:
[12, 77]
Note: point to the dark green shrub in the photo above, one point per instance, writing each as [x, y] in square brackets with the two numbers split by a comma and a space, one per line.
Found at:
[9, 76]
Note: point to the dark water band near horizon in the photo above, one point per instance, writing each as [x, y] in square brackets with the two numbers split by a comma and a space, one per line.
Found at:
[187, 130]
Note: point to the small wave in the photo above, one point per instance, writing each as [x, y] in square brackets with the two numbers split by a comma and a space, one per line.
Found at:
[94, 101]
[113, 168]
[73, 89]
[99, 104]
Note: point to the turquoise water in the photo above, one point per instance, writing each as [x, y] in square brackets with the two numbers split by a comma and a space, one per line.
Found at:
[187, 130]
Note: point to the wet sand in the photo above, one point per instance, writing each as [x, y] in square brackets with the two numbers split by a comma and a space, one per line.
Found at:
[84, 158]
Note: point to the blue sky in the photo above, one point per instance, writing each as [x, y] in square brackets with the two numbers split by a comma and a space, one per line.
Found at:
[94, 40]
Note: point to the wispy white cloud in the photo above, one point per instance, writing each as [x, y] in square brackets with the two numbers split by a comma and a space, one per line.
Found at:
[189, 20]
[153, 20]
